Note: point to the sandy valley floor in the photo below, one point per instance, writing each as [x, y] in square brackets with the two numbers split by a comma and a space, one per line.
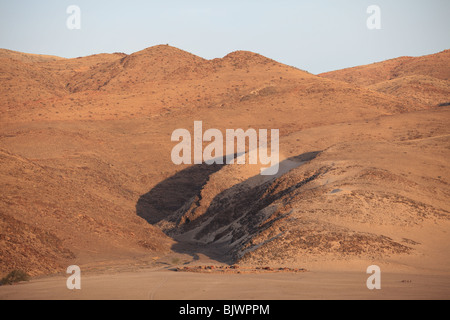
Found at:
[162, 285]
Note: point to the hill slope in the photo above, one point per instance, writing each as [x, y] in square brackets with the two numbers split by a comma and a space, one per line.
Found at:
[425, 78]
[85, 147]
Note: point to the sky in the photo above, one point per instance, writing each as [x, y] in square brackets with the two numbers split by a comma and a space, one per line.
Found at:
[313, 35]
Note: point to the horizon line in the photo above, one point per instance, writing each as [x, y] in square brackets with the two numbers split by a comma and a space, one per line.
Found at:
[240, 50]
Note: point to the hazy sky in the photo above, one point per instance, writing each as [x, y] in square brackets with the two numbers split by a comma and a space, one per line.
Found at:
[314, 35]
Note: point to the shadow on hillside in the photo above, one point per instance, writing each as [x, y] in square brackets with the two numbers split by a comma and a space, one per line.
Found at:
[171, 194]
[166, 198]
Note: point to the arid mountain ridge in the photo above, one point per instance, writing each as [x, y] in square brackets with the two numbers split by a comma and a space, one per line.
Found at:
[87, 178]
[423, 79]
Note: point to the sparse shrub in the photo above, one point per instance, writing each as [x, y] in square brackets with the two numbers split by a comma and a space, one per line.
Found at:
[15, 276]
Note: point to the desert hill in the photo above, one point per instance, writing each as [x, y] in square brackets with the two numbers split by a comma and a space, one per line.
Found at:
[26, 57]
[420, 89]
[426, 78]
[163, 79]
[87, 177]
[373, 197]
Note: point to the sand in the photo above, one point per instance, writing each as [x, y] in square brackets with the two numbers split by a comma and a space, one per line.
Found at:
[167, 285]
